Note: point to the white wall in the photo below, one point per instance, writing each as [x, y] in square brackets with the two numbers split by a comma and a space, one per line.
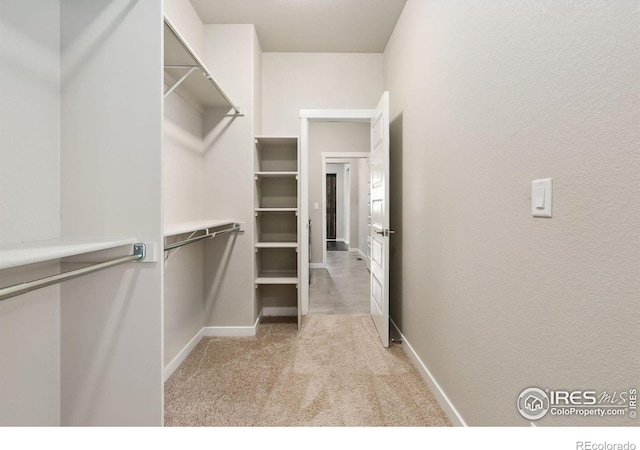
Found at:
[186, 20]
[485, 98]
[229, 183]
[183, 198]
[183, 168]
[294, 81]
[111, 185]
[82, 159]
[29, 122]
[363, 205]
[354, 204]
[30, 208]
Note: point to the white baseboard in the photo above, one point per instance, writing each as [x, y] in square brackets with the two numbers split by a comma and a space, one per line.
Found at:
[182, 355]
[279, 311]
[207, 331]
[317, 266]
[354, 250]
[362, 255]
[232, 331]
[446, 405]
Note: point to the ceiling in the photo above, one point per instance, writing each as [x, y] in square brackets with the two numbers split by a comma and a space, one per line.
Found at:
[335, 26]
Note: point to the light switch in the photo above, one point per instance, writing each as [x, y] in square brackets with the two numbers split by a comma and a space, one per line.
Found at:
[541, 196]
[316, 205]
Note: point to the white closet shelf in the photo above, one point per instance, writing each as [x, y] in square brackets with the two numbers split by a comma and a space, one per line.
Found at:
[276, 174]
[277, 245]
[183, 68]
[276, 209]
[276, 141]
[48, 250]
[279, 277]
[196, 225]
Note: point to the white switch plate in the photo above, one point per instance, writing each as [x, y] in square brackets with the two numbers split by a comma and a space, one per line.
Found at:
[541, 197]
[316, 205]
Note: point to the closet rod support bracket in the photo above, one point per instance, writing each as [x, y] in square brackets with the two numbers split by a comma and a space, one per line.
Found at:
[190, 70]
[140, 250]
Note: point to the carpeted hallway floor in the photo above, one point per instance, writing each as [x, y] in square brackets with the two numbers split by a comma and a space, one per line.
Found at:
[333, 372]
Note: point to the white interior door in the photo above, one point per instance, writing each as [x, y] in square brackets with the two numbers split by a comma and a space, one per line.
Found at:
[380, 219]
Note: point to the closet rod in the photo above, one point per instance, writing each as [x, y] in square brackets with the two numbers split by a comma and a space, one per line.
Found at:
[23, 288]
[235, 227]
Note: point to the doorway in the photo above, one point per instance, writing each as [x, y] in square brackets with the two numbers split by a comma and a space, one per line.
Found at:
[377, 120]
[313, 203]
[341, 283]
[331, 206]
[351, 209]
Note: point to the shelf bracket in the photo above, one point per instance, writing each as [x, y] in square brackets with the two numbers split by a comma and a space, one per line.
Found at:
[181, 80]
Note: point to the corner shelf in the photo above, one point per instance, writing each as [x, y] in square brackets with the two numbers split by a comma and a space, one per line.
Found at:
[185, 71]
[17, 255]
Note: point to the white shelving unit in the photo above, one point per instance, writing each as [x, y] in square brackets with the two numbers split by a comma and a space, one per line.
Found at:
[277, 237]
[184, 71]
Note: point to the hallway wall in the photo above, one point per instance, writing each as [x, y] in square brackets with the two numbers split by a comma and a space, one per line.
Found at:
[485, 98]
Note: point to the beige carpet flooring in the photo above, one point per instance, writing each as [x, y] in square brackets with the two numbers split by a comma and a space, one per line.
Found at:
[333, 372]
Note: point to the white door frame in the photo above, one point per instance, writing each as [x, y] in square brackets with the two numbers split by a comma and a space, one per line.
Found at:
[333, 158]
[306, 116]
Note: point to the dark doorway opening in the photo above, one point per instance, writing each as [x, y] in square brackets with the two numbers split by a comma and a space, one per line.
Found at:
[331, 205]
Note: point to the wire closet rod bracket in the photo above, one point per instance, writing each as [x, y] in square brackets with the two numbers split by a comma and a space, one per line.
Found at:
[208, 235]
[189, 70]
[139, 253]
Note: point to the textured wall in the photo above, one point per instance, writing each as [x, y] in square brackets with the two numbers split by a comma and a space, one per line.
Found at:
[485, 98]
[295, 81]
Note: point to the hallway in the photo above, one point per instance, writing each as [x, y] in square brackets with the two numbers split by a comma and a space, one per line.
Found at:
[341, 288]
